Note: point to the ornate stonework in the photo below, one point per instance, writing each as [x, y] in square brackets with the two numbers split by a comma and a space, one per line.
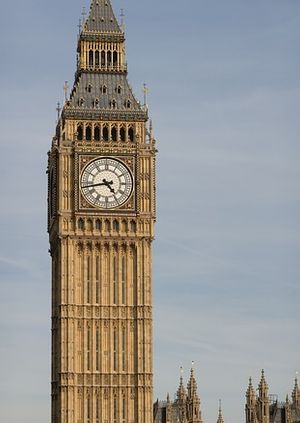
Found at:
[101, 257]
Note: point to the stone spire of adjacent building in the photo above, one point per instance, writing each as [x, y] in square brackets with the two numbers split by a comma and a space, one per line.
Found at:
[181, 399]
[288, 414]
[296, 394]
[193, 400]
[101, 18]
[263, 405]
[251, 400]
[220, 417]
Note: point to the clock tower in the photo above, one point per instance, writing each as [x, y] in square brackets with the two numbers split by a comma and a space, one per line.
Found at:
[101, 216]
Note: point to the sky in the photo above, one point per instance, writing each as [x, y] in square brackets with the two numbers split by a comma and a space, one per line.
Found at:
[224, 97]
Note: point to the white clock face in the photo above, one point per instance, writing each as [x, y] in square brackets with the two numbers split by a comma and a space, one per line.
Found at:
[106, 183]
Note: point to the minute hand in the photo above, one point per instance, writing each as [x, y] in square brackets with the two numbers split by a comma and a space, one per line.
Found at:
[95, 185]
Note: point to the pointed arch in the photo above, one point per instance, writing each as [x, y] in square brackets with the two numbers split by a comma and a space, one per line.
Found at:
[91, 58]
[79, 132]
[105, 133]
[109, 58]
[102, 58]
[97, 58]
[114, 135]
[115, 58]
[122, 134]
[131, 134]
[97, 133]
[88, 133]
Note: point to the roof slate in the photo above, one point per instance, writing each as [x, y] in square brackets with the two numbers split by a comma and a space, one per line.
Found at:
[89, 93]
[102, 18]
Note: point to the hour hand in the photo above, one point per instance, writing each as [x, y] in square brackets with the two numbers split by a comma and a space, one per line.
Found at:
[108, 184]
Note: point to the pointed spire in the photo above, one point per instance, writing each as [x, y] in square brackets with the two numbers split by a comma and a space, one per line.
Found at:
[220, 418]
[102, 18]
[296, 393]
[192, 385]
[250, 394]
[181, 394]
[263, 386]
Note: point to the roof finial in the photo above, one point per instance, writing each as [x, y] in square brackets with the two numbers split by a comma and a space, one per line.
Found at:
[122, 15]
[66, 88]
[145, 91]
[58, 109]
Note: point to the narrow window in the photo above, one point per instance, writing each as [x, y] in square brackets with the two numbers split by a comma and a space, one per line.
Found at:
[79, 133]
[123, 280]
[115, 350]
[91, 58]
[123, 134]
[97, 58]
[124, 409]
[131, 134]
[88, 350]
[89, 409]
[102, 58]
[88, 133]
[115, 58]
[107, 225]
[97, 279]
[133, 226]
[104, 89]
[97, 350]
[114, 133]
[115, 409]
[115, 225]
[109, 56]
[81, 224]
[89, 88]
[105, 133]
[88, 276]
[97, 133]
[98, 225]
[115, 281]
[119, 89]
[113, 104]
[98, 410]
[123, 349]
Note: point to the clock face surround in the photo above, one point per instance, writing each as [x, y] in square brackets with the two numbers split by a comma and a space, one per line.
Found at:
[106, 183]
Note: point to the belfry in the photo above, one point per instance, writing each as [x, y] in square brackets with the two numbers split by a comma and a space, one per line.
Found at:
[101, 216]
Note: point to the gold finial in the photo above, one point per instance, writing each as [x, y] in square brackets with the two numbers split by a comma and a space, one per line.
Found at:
[66, 88]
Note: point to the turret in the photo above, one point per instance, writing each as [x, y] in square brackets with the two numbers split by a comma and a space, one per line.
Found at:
[193, 401]
[169, 409]
[251, 401]
[263, 400]
[296, 394]
[220, 417]
[287, 414]
[181, 399]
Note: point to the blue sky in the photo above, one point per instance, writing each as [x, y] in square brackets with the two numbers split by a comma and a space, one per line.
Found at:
[224, 96]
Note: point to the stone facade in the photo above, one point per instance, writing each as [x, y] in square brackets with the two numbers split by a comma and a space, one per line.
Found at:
[101, 219]
[265, 408]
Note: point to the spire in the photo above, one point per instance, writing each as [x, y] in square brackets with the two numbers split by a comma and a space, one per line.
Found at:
[263, 386]
[192, 385]
[220, 418]
[101, 18]
[296, 393]
[181, 394]
[250, 394]
[288, 416]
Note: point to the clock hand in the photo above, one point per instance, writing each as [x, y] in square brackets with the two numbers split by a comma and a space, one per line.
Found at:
[95, 185]
[108, 184]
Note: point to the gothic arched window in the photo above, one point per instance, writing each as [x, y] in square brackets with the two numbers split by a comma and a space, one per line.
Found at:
[131, 134]
[105, 133]
[114, 133]
[97, 133]
[115, 58]
[91, 58]
[88, 133]
[123, 134]
[79, 132]
[97, 58]
[102, 58]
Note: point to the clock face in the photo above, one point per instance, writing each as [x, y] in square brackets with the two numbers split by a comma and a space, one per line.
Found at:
[106, 183]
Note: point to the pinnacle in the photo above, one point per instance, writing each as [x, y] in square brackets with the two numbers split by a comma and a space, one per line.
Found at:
[102, 18]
